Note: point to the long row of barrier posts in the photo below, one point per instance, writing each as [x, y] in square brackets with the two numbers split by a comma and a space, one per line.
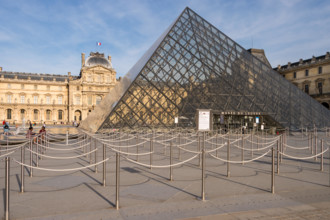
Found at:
[201, 148]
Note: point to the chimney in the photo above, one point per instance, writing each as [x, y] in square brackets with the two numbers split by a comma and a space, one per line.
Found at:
[109, 58]
[82, 59]
[0, 69]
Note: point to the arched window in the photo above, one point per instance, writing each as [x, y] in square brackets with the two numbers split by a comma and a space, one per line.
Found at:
[48, 114]
[22, 114]
[35, 114]
[9, 111]
[60, 115]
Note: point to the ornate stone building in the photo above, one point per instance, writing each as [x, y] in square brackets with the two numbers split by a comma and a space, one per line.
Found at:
[310, 75]
[56, 99]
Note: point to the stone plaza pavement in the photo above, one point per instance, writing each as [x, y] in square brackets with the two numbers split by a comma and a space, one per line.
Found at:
[301, 190]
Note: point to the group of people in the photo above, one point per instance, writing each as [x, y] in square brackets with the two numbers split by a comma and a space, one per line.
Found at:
[30, 134]
[42, 132]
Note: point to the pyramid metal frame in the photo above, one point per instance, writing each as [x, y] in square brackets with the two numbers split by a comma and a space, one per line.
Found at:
[194, 66]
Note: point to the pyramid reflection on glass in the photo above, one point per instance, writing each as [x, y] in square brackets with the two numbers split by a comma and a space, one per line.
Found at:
[194, 66]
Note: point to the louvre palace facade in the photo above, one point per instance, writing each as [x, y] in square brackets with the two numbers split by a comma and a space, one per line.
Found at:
[56, 99]
[311, 76]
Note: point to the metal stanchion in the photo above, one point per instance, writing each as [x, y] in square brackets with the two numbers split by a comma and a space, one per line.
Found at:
[90, 149]
[7, 185]
[216, 142]
[312, 147]
[37, 150]
[31, 157]
[151, 153]
[251, 145]
[257, 142]
[117, 179]
[281, 147]
[228, 157]
[104, 164]
[171, 156]
[309, 142]
[315, 158]
[22, 167]
[95, 154]
[273, 173]
[203, 169]
[137, 147]
[242, 144]
[321, 163]
[179, 153]
[278, 158]
[199, 150]
[67, 137]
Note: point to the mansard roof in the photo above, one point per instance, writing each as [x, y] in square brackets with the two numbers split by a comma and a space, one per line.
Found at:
[35, 76]
[304, 63]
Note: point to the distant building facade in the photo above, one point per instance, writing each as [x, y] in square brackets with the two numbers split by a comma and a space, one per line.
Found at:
[310, 75]
[56, 99]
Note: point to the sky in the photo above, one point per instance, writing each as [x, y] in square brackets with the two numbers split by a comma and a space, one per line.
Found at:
[48, 36]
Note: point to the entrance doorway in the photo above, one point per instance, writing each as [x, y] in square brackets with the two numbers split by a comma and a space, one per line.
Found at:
[77, 115]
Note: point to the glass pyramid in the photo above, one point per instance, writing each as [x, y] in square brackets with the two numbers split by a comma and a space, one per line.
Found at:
[194, 66]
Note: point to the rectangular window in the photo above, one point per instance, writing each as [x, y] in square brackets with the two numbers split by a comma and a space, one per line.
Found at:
[89, 100]
[60, 100]
[319, 86]
[35, 87]
[22, 99]
[47, 99]
[307, 89]
[9, 98]
[98, 100]
[320, 69]
[306, 72]
[77, 100]
[35, 99]
[294, 75]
